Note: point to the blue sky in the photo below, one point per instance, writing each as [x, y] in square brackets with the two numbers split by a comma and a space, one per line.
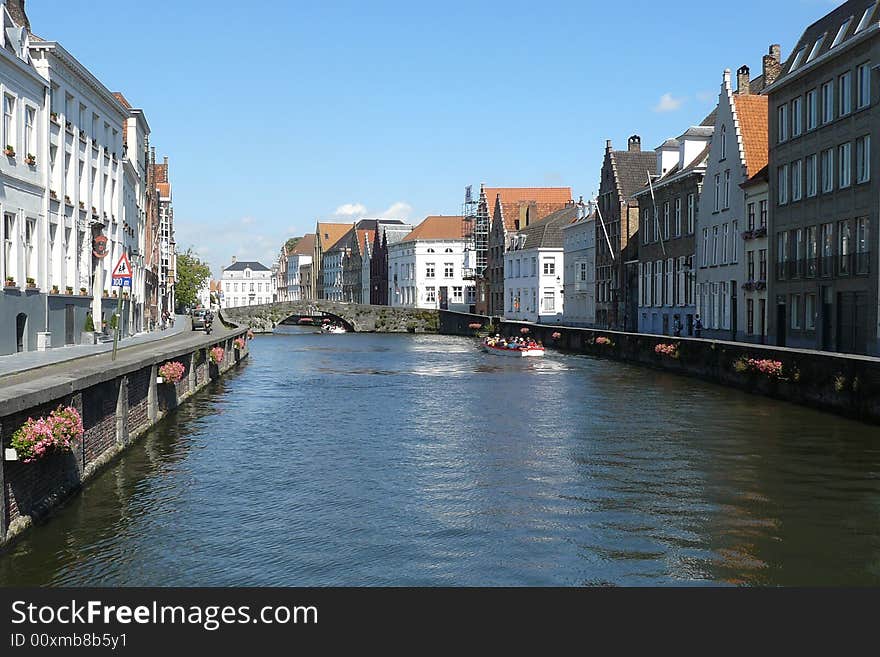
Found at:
[275, 113]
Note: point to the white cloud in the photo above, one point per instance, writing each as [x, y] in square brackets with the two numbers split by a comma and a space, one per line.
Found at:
[706, 96]
[399, 210]
[668, 103]
[247, 221]
[351, 210]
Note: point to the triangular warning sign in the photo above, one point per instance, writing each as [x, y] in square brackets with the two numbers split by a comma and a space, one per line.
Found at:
[122, 268]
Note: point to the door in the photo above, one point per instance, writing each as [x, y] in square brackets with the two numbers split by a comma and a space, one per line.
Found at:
[762, 318]
[733, 311]
[665, 324]
[852, 318]
[444, 298]
[21, 332]
[68, 323]
[780, 325]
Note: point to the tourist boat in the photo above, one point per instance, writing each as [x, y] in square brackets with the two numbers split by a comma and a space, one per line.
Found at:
[332, 328]
[515, 352]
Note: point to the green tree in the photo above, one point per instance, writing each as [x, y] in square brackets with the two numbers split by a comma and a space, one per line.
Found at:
[292, 242]
[191, 275]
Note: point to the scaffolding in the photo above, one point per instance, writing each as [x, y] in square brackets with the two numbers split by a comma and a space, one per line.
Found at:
[475, 231]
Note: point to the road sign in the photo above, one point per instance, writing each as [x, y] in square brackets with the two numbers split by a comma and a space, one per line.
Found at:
[122, 272]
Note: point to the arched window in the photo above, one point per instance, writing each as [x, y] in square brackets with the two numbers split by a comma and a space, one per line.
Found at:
[430, 250]
[448, 250]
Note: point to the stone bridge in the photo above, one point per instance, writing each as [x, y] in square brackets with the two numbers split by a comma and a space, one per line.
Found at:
[357, 317]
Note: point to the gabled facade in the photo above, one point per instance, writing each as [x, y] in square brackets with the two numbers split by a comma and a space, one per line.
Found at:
[623, 174]
[326, 235]
[738, 151]
[824, 198]
[579, 262]
[300, 255]
[534, 267]
[246, 283]
[512, 208]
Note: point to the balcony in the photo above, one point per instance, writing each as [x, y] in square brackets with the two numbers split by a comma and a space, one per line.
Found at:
[851, 264]
[757, 233]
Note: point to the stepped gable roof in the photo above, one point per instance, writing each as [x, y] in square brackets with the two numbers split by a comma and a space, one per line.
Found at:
[241, 265]
[751, 112]
[631, 170]
[305, 246]
[547, 232]
[545, 200]
[437, 227]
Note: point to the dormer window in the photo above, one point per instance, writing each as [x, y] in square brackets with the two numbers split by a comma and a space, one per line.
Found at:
[247, 273]
[866, 18]
[816, 47]
[842, 31]
[799, 55]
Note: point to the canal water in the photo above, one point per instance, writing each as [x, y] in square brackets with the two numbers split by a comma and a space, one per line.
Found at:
[417, 460]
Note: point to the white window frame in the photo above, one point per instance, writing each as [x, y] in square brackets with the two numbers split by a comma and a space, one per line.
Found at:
[812, 107]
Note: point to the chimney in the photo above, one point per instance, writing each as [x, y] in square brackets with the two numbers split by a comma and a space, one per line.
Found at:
[233, 260]
[16, 11]
[635, 144]
[607, 145]
[772, 65]
[742, 81]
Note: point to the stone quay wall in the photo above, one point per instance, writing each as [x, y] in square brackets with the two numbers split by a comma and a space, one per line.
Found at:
[840, 383]
[118, 401]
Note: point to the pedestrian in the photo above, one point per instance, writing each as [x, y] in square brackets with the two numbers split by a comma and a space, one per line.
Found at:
[698, 326]
[676, 327]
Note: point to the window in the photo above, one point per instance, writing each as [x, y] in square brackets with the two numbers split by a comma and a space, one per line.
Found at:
[717, 204]
[549, 300]
[727, 189]
[457, 294]
[781, 254]
[863, 159]
[863, 247]
[797, 240]
[782, 179]
[845, 155]
[429, 270]
[724, 237]
[762, 261]
[534, 266]
[827, 102]
[845, 93]
[431, 294]
[812, 253]
[799, 55]
[750, 316]
[827, 165]
[449, 269]
[750, 265]
[734, 238]
[723, 142]
[447, 250]
[827, 248]
[655, 226]
[30, 142]
[763, 214]
[811, 175]
[644, 228]
[691, 214]
[705, 261]
[795, 311]
[658, 283]
[863, 73]
[812, 109]
[678, 217]
[865, 20]
[797, 123]
[782, 123]
[751, 215]
[810, 312]
[714, 245]
[841, 32]
[549, 266]
[816, 47]
[844, 245]
[430, 250]
[796, 177]
[666, 220]
[9, 120]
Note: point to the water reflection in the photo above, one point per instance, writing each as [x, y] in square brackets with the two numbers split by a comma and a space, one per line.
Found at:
[371, 459]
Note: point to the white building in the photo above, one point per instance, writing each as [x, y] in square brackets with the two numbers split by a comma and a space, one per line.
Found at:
[332, 265]
[579, 278]
[533, 269]
[300, 255]
[246, 284]
[425, 268]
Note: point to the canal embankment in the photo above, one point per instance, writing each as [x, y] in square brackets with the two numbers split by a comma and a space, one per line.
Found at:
[846, 384]
[117, 401]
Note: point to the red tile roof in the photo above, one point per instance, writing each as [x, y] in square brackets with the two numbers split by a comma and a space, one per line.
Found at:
[438, 227]
[751, 111]
[546, 199]
[305, 246]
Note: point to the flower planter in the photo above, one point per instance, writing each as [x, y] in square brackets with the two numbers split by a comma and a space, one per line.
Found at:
[10, 454]
[68, 290]
[31, 161]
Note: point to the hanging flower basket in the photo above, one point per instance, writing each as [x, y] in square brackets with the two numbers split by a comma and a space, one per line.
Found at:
[36, 439]
[524, 330]
[216, 355]
[239, 343]
[171, 372]
[556, 335]
[605, 342]
[668, 350]
[250, 335]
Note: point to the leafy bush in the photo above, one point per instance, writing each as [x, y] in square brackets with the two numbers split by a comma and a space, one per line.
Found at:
[90, 324]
